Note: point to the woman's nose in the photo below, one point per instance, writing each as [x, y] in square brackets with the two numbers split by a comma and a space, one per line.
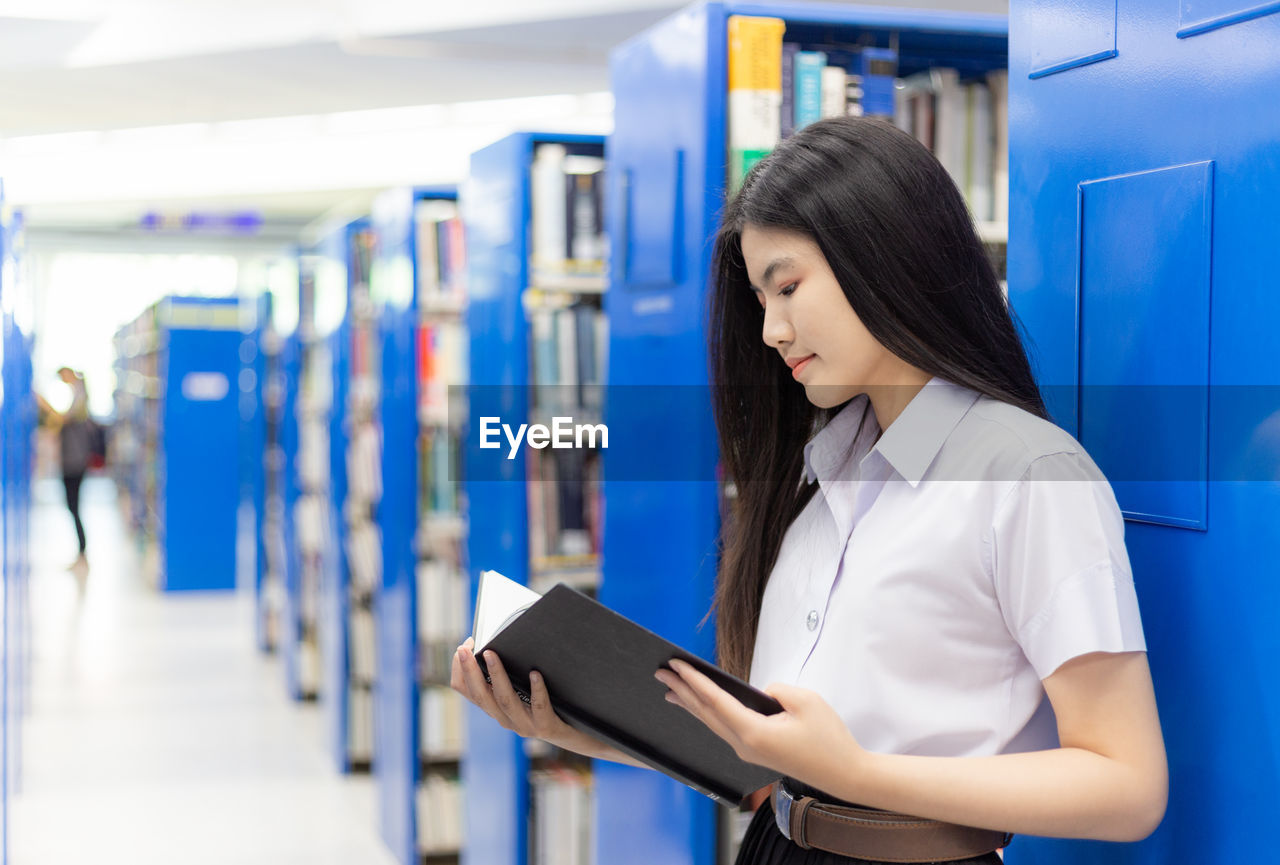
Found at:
[777, 330]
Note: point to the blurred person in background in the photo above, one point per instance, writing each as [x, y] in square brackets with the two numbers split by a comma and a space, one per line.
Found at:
[78, 439]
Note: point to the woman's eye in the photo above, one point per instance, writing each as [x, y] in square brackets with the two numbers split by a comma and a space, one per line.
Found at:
[788, 290]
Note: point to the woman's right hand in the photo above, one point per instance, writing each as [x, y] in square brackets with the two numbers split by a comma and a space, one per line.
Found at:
[498, 699]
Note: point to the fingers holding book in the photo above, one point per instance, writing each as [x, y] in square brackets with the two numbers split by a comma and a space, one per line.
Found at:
[532, 718]
[528, 715]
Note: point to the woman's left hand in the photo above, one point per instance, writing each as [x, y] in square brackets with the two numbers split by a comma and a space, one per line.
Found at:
[807, 740]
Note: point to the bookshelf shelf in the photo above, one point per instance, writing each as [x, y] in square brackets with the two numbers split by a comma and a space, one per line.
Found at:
[570, 284]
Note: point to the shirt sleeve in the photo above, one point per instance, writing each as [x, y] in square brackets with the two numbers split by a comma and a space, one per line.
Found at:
[1059, 563]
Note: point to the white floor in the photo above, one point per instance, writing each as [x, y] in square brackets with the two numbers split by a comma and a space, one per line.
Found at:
[157, 734]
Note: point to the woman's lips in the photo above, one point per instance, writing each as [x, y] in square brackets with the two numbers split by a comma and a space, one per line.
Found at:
[797, 368]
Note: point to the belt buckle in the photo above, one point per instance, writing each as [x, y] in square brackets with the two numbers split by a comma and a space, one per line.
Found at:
[782, 802]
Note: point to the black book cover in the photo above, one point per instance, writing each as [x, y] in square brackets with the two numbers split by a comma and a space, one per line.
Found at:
[598, 667]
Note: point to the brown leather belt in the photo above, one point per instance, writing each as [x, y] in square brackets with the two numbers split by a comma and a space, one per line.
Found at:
[884, 836]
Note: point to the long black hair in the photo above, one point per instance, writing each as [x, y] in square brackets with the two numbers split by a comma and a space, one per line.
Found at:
[902, 245]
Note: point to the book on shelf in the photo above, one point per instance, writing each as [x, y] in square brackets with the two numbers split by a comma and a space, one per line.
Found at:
[835, 94]
[569, 356]
[442, 727]
[787, 79]
[598, 667]
[364, 558]
[998, 83]
[567, 213]
[441, 604]
[309, 668]
[755, 91]
[564, 497]
[878, 72]
[808, 87]
[963, 122]
[439, 467]
[359, 724]
[439, 807]
[364, 467]
[363, 647]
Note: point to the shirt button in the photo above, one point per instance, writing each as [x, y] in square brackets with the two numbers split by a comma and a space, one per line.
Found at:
[812, 620]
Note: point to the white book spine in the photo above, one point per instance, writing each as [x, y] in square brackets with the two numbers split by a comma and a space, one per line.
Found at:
[547, 191]
[980, 152]
[834, 91]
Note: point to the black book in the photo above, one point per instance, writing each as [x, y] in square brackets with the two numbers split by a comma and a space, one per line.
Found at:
[598, 667]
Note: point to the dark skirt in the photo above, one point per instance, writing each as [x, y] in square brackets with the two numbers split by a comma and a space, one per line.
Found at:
[765, 845]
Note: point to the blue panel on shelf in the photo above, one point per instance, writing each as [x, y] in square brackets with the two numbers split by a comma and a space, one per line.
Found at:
[287, 475]
[397, 692]
[1066, 34]
[1144, 338]
[667, 127]
[201, 433]
[495, 210]
[1201, 16]
[397, 715]
[1170, 102]
[334, 600]
[652, 240]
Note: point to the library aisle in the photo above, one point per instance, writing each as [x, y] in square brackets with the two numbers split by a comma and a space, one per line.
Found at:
[157, 734]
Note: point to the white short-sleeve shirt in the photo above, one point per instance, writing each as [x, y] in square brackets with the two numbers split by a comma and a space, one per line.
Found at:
[940, 573]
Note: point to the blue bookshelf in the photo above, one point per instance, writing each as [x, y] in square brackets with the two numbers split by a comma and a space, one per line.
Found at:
[334, 302]
[276, 378]
[308, 369]
[413, 297]
[180, 361]
[667, 179]
[496, 203]
[251, 561]
[17, 429]
[1142, 262]
[284, 550]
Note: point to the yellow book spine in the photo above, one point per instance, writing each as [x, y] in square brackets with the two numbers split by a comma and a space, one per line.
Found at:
[755, 53]
[755, 91]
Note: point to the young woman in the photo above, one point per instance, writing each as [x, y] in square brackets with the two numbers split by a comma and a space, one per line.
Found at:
[76, 434]
[927, 574]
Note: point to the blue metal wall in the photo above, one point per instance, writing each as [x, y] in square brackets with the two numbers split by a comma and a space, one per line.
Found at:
[1142, 258]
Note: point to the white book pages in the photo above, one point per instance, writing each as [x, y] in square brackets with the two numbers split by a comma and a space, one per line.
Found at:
[499, 601]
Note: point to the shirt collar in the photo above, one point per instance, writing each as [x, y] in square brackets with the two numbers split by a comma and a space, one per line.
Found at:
[911, 443]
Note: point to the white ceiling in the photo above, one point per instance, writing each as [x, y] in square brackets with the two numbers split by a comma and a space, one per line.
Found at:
[78, 77]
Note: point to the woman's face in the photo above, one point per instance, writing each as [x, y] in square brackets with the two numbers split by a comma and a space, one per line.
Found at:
[808, 319]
